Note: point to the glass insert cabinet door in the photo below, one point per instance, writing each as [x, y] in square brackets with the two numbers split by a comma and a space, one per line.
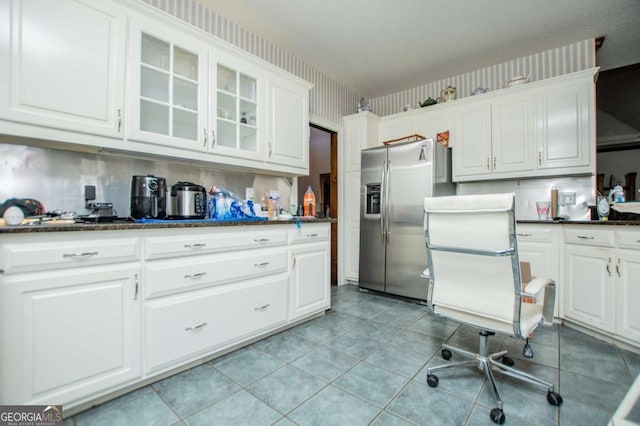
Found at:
[171, 92]
[237, 114]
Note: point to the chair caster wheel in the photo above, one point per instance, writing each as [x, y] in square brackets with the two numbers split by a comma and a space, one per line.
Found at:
[508, 361]
[432, 380]
[497, 416]
[446, 354]
[554, 398]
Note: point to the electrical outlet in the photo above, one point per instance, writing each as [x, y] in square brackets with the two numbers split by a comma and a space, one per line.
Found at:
[86, 180]
[567, 198]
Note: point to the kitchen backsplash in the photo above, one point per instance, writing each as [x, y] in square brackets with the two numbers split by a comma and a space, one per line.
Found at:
[529, 191]
[54, 177]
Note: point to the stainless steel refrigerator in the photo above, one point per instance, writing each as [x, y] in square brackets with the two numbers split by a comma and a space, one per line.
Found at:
[395, 179]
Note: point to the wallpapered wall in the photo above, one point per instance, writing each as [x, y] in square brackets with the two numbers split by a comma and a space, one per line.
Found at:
[331, 100]
[552, 63]
[328, 99]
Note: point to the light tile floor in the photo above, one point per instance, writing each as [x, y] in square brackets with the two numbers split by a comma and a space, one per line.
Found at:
[365, 363]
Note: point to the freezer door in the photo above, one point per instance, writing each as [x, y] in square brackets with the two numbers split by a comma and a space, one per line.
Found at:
[410, 180]
[372, 243]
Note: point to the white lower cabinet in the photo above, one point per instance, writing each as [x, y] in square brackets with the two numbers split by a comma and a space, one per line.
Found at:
[69, 334]
[86, 314]
[590, 290]
[539, 245]
[309, 277]
[310, 271]
[181, 327]
[602, 277]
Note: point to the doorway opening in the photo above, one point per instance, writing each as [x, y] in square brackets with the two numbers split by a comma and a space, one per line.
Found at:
[323, 179]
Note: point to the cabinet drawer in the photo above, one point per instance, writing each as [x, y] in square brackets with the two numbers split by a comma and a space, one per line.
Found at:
[589, 236]
[628, 239]
[170, 276]
[184, 326]
[534, 233]
[201, 242]
[36, 256]
[309, 232]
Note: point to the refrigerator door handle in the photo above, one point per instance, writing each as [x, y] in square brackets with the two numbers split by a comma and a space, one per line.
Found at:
[382, 200]
[387, 213]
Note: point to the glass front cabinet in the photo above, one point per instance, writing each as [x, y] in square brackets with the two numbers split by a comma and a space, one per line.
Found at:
[188, 95]
[237, 94]
[168, 94]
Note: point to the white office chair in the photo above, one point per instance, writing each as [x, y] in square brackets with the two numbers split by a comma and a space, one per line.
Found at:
[475, 279]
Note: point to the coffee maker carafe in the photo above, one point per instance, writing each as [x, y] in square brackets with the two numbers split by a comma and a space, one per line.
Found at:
[148, 197]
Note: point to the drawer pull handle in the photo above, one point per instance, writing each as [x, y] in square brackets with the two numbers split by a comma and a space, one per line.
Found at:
[196, 245]
[259, 265]
[196, 327]
[637, 241]
[83, 254]
[525, 235]
[261, 240]
[582, 237]
[198, 275]
[263, 308]
[312, 235]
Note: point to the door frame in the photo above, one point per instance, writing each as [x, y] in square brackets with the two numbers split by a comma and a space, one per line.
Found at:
[336, 192]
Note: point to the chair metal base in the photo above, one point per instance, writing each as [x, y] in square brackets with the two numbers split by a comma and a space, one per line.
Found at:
[486, 362]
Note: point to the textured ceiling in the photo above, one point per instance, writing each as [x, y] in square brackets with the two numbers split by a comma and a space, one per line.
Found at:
[377, 47]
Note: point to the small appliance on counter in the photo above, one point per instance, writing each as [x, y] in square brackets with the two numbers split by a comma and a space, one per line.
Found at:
[187, 200]
[100, 212]
[148, 197]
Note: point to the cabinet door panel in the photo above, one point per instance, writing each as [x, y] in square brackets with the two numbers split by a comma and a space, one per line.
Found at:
[589, 287]
[513, 135]
[288, 138]
[310, 280]
[60, 53]
[628, 294]
[565, 129]
[69, 333]
[472, 141]
[168, 96]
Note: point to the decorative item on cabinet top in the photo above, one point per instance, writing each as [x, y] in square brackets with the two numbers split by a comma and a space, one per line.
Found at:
[411, 138]
[448, 94]
[364, 105]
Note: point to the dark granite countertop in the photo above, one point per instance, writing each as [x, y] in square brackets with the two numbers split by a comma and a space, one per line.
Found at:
[52, 227]
[584, 222]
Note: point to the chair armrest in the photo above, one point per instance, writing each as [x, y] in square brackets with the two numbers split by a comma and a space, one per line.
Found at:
[534, 287]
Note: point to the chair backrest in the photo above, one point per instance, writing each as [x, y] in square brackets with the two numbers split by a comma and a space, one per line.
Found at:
[473, 260]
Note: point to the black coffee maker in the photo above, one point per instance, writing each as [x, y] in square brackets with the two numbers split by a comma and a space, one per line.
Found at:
[148, 197]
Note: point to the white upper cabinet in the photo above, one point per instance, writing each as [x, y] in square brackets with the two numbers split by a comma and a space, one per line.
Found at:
[236, 108]
[63, 64]
[472, 138]
[168, 91]
[126, 77]
[546, 128]
[566, 123]
[287, 142]
[494, 137]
